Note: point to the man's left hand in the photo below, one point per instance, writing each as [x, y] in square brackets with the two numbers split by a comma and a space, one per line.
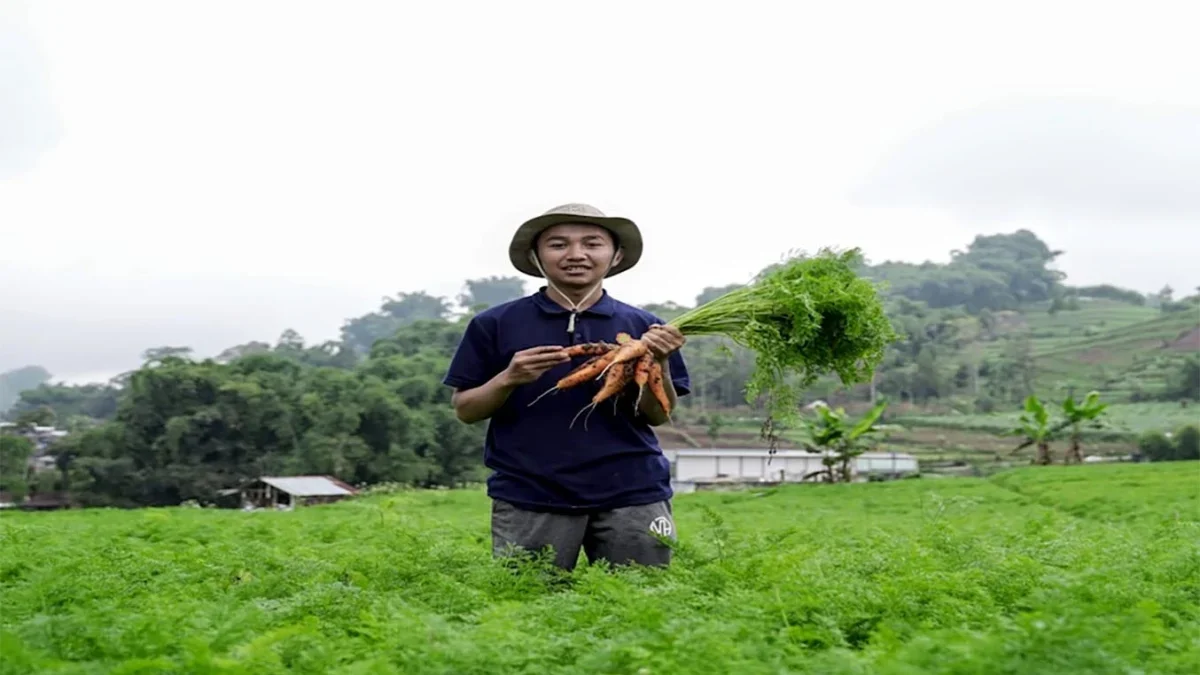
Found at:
[663, 340]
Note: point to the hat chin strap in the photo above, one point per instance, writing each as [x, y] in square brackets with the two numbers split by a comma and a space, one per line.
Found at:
[575, 306]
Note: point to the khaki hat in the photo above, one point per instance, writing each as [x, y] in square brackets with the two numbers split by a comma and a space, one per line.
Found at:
[627, 234]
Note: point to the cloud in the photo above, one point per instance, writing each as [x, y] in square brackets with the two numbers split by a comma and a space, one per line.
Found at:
[1060, 158]
[29, 124]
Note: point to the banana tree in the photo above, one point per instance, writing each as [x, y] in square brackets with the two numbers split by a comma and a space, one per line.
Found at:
[1034, 425]
[839, 440]
[1087, 413]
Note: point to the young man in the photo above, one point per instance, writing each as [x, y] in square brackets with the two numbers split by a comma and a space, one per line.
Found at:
[604, 489]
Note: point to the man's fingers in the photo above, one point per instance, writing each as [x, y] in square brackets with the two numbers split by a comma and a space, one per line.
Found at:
[538, 359]
[544, 349]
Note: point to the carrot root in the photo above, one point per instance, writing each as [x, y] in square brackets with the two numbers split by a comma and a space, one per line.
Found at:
[630, 351]
[641, 375]
[658, 389]
[590, 349]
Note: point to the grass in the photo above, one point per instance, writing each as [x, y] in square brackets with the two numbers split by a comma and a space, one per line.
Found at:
[1051, 570]
[1123, 419]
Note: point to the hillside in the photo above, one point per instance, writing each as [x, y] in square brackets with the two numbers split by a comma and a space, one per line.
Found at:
[1081, 569]
[1125, 357]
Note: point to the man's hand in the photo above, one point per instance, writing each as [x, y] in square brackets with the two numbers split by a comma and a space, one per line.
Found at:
[663, 340]
[528, 365]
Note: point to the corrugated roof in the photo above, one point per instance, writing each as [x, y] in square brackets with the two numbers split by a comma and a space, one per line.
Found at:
[306, 486]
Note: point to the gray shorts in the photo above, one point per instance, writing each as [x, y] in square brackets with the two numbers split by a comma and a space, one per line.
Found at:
[621, 536]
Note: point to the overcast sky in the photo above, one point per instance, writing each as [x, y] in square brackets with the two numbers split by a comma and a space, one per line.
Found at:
[212, 173]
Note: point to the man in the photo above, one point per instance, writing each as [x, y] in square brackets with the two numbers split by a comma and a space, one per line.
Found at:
[604, 489]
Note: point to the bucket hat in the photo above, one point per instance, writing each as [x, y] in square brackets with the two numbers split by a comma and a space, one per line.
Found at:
[628, 236]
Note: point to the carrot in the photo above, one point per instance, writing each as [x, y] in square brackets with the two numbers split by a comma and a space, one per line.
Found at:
[641, 375]
[658, 388]
[630, 351]
[590, 349]
[614, 382]
[593, 368]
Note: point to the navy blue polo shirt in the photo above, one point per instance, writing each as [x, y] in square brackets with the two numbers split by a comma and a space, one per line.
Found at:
[539, 463]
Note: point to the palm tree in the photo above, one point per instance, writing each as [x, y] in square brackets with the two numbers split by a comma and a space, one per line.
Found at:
[1035, 427]
[1090, 411]
[832, 432]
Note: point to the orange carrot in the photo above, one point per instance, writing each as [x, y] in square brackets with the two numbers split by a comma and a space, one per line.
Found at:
[630, 351]
[658, 388]
[641, 375]
[589, 370]
[590, 349]
[592, 368]
[614, 382]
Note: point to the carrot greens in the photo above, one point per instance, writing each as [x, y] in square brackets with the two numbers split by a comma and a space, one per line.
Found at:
[808, 317]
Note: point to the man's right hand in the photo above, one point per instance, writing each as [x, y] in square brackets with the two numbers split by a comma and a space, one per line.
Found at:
[529, 364]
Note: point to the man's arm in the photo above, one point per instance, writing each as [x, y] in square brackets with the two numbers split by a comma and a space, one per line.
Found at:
[649, 405]
[480, 403]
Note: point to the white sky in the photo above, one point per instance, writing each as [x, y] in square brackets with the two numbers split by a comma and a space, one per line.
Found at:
[212, 173]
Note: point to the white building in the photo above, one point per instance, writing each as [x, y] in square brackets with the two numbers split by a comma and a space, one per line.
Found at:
[758, 465]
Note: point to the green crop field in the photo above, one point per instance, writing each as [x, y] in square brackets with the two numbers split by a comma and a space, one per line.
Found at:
[1121, 418]
[1079, 569]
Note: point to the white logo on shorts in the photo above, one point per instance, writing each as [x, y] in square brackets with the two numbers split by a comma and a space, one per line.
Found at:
[661, 526]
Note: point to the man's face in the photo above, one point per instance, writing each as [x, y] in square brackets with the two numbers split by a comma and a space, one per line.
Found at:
[576, 255]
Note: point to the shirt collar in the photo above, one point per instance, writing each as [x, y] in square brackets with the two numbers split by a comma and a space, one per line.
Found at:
[605, 306]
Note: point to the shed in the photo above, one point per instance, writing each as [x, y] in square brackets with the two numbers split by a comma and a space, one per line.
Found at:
[785, 466]
[291, 491]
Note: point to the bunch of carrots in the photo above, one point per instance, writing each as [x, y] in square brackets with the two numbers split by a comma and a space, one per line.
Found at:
[804, 318]
[627, 361]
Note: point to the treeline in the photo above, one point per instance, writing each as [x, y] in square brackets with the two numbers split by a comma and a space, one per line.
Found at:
[185, 429]
[945, 315]
[369, 407]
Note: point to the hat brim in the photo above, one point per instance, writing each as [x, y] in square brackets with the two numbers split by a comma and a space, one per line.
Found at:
[626, 231]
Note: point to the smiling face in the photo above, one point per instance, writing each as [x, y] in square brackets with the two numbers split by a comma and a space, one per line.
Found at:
[576, 256]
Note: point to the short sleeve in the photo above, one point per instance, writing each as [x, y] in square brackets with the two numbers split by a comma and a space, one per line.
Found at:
[679, 374]
[475, 358]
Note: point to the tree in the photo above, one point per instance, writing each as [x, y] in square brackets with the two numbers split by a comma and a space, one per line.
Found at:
[91, 401]
[42, 416]
[14, 382]
[1156, 447]
[1034, 425]
[360, 333]
[1012, 376]
[1185, 383]
[1187, 442]
[160, 354]
[488, 292]
[838, 440]
[15, 452]
[715, 423]
[1089, 412]
[711, 293]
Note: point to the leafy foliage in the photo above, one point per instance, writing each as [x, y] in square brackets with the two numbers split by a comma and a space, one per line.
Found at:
[184, 429]
[832, 434]
[1080, 569]
[806, 318]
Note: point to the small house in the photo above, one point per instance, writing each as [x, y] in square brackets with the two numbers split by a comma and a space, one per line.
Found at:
[287, 492]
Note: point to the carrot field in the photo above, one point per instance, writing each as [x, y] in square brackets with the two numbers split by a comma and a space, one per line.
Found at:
[1082, 569]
